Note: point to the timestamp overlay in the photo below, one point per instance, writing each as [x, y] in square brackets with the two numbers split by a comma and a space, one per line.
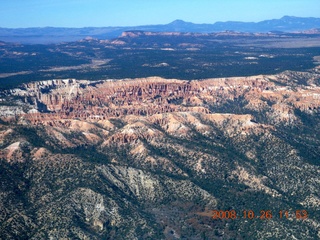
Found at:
[265, 214]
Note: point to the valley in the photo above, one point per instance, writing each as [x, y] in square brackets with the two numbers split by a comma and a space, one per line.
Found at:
[138, 54]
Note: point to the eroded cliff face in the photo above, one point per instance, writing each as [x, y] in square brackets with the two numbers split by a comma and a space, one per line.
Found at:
[279, 95]
[149, 158]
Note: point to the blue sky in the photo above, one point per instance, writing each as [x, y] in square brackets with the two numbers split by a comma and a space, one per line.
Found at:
[98, 13]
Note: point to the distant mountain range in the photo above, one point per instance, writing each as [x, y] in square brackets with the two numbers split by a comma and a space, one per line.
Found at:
[57, 34]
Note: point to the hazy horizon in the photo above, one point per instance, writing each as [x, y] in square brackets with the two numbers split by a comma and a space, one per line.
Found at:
[155, 23]
[99, 13]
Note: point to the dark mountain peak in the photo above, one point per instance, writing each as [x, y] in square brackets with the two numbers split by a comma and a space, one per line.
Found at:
[286, 17]
[292, 19]
[179, 22]
[298, 19]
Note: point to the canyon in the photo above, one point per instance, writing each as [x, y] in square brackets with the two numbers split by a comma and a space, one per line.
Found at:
[100, 100]
[149, 158]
